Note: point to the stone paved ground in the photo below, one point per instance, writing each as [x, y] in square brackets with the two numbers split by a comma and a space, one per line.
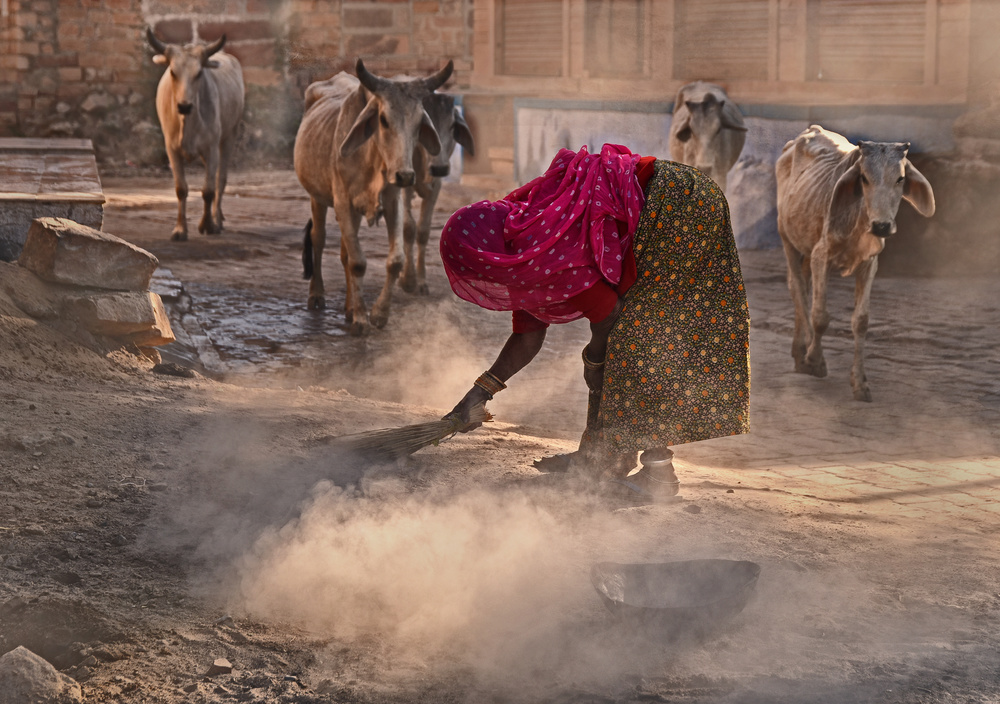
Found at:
[926, 447]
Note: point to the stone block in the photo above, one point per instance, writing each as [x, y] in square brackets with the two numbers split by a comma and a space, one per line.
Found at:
[136, 316]
[752, 200]
[26, 677]
[66, 252]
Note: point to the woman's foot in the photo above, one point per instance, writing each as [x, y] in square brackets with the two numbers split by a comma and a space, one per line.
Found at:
[659, 479]
[555, 463]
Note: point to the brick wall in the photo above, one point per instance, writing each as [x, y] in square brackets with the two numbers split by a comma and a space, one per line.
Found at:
[82, 68]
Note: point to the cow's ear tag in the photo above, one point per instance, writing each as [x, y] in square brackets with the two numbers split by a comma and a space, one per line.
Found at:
[160, 59]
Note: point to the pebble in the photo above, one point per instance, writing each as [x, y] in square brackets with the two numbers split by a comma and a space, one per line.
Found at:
[157, 486]
[94, 503]
[692, 508]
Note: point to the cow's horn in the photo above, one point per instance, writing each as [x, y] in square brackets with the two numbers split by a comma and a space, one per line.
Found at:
[368, 79]
[215, 46]
[438, 79]
[159, 46]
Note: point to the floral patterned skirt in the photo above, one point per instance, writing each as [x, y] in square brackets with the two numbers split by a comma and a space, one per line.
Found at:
[678, 363]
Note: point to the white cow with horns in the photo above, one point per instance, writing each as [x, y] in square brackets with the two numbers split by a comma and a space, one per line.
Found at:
[836, 205]
[354, 153]
[199, 101]
[707, 130]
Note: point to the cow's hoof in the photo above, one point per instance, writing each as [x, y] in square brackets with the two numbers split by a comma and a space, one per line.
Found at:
[358, 328]
[863, 394]
[422, 290]
[208, 228]
[317, 303]
[812, 368]
[379, 320]
[179, 236]
[408, 284]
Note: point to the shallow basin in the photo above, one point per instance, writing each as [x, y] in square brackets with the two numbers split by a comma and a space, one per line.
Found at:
[689, 597]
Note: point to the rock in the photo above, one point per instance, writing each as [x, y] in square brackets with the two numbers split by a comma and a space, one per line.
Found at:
[65, 252]
[692, 508]
[174, 369]
[68, 578]
[25, 677]
[221, 666]
[137, 316]
[191, 688]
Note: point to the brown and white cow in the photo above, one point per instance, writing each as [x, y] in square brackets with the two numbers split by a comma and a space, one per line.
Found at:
[452, 129]
[707, 130]
[354, 153]
[199, 101]
[836, 205]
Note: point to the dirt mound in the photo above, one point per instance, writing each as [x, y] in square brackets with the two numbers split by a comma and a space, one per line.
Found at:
[34, 350]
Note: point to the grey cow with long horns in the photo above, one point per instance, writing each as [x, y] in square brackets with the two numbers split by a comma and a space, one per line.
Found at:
[199, 101]
[837, 204]
[354, 153]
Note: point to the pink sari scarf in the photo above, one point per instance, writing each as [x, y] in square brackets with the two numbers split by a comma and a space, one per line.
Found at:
[548, 240]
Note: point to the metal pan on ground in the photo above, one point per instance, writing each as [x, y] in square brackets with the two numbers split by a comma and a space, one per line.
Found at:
[689, 599]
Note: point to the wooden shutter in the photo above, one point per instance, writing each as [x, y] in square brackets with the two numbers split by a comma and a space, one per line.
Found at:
[614, 38]
[861, 40]
[721, 39]
[530, 37]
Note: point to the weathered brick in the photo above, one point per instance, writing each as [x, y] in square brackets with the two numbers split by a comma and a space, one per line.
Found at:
[253, 54]
[57, 60]
[256, 76]
[377, 44]
[236, 31]
[14, 61]
[25, 19]
[70, 73]
[368, 18]
[176, 31]
[426, 6]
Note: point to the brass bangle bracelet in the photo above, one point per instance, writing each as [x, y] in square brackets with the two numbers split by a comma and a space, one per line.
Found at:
[589, 365]
[490, 383]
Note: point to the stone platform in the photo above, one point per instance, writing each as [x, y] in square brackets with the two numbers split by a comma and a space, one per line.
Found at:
[46, 178]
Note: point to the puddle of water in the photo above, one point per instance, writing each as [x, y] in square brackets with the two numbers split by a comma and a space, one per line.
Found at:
[258, 331]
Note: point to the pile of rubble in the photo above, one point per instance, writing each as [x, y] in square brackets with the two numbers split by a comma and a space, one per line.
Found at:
[91, 286]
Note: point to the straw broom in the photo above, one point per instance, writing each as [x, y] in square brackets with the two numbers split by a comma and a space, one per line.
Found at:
[394, 443]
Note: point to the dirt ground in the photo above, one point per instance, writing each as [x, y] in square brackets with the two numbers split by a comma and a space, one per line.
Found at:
[151, 524]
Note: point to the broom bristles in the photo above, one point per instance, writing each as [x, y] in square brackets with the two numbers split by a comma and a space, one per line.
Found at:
[393, 443]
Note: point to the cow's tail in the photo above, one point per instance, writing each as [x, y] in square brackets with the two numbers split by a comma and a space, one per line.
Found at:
[307, 251]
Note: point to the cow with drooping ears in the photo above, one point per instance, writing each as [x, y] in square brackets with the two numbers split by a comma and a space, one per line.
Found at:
[354, 153]
[837, 204]
[199, 101]
[707, 130]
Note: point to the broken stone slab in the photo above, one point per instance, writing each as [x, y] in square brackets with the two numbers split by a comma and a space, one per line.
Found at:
[221, 666]
[26, 677]
[138, 317]
[66, 252]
